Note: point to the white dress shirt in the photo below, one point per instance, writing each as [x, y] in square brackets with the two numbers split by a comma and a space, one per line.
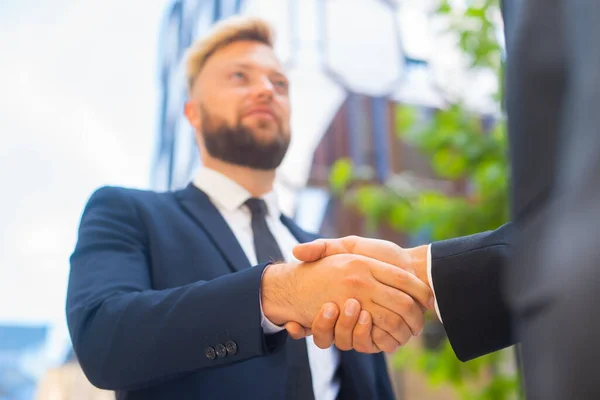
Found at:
[229, 198]
[437, 309]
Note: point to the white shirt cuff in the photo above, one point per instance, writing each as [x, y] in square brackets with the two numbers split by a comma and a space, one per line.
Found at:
[437, 309]
[269, 328]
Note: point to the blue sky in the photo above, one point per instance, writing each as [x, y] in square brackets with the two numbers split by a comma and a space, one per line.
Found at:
[78, 105]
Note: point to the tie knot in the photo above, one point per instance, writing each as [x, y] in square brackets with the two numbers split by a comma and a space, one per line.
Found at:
[257, 207]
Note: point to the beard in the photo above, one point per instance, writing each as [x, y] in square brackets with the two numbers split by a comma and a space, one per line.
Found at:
[240, 144]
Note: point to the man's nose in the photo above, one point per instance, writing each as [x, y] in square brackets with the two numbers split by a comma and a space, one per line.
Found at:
[263, 89]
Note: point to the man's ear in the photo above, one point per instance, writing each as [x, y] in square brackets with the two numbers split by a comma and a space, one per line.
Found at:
[192, 114]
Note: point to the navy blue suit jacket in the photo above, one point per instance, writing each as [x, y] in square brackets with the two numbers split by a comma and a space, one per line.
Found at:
[157, 279]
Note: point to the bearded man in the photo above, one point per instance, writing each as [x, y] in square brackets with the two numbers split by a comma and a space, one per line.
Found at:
[185, 294]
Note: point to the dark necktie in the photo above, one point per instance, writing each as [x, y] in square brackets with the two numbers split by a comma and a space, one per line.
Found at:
[299, 380]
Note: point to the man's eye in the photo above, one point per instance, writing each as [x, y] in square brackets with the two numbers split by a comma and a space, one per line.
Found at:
[239, 75]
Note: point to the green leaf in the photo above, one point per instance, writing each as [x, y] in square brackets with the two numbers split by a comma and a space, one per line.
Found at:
[449, 163]
[490, 177]
[340, 175]
[403, 217]
[478, 12]
[406, 117]
[371, 201]
[444, 8]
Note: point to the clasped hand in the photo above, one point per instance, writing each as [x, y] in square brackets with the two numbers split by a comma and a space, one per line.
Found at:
[376, 318]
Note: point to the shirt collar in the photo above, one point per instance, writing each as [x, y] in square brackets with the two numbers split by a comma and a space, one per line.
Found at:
[227, 194]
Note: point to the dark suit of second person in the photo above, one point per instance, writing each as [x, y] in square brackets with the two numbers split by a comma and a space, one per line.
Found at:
[536, 280]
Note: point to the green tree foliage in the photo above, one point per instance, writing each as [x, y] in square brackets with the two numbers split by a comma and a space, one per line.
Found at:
[466, 152]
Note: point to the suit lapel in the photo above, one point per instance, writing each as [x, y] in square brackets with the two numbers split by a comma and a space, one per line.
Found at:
[204, 212]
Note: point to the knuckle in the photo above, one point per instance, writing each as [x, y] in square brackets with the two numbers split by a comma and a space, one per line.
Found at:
[389, 346]
[403, 280]
[355, 263]
[343, 331]
[385, 321]
[319, 329]
[406, 304]
[381, 320]
[350, 242]
[417, 328]
[360, 345]
[356, 282]
[400, 278]
[394, 322]
[405, 339]
[384, 341]
[361, 341]
[363, 348]
[379, 334]
[346, 324]
[360, 348]
[343, 346]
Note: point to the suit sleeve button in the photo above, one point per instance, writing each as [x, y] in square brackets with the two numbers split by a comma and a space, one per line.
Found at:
[231, 347]
[210, 353]
[220, 350]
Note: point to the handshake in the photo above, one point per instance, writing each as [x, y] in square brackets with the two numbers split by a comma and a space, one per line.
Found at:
[363, 294]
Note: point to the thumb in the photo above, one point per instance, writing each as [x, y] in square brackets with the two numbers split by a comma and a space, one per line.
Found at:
[311, 251]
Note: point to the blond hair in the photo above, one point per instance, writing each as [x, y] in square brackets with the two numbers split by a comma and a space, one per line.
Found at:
[223, 33]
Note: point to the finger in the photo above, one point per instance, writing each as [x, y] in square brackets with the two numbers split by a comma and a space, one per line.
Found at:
[362, 340]
[384, 341]
[345, 324]
[310, 251]
[402, 304]
[323, 326]
[402, 280]
[296, 331]
[373, 248]
[321, 248]
[390, 322]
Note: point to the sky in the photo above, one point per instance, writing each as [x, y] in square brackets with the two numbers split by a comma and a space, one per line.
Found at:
[78, 98]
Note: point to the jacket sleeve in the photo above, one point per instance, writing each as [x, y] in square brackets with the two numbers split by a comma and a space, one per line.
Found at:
[128, 336]
[467, 275]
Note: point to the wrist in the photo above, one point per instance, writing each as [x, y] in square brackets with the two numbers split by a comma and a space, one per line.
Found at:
[276, 293]
[418, 262]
